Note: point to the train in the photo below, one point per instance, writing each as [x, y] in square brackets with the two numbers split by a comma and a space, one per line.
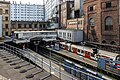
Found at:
[88, 52]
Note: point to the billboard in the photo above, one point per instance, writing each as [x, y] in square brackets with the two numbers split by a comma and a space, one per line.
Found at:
[0, 25]
[57, 47]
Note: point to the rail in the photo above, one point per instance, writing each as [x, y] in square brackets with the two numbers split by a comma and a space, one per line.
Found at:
[47, 65]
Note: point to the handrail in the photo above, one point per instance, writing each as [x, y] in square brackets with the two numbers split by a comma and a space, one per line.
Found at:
[37, 59]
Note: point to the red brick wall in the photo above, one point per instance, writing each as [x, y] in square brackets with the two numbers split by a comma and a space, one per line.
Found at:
[99, 15]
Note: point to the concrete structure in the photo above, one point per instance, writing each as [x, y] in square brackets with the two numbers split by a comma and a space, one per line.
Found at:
[26, 36]
[27, 12]
[75, 23]
[28, 25]
[102, 21]
[71, 35]
[78, 8]
[5, 18]
[66, 9]
[49, 8]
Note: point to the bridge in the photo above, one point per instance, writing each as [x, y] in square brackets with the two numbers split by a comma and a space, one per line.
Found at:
[26, 36]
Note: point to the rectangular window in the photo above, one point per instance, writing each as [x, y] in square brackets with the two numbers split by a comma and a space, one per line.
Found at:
[6, 33]
[108, 5]
[19, 25]
[6, 11]
[60, 34]
[6, 25]
[6, 18]
[35, 25]
[64, 35]
[91, 8]
[30, 25]
[24, 25]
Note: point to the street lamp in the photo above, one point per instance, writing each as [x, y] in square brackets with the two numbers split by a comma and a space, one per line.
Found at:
[36, 43]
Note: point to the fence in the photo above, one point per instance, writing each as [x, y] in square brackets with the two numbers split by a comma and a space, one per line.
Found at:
[49, 65]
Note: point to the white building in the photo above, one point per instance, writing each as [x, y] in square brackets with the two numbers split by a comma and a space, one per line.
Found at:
[49, 8]
[70, 35]
[27, 12]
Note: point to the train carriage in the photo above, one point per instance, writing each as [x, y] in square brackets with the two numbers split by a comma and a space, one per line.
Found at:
[88, 52]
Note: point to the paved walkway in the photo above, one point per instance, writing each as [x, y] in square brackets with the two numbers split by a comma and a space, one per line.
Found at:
[8, 71]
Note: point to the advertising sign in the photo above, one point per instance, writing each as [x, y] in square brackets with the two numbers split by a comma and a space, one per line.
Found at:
[0, 25]
[57, 47]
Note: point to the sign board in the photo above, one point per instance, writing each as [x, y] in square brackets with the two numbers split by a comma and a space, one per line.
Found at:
[57, 47]
[0, 25]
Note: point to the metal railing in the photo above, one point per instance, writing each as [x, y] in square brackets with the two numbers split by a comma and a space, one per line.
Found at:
[47, 65]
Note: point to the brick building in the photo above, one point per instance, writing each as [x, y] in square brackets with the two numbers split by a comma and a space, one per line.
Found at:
[102, 21]
[77, 23]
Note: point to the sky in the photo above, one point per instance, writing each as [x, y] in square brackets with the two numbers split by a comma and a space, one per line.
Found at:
[27, 1]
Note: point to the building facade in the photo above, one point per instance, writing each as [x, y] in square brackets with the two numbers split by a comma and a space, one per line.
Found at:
[70, 35]
[78, 8]
[49, 8]
[66, 9]
[102, 21]
[28, 26]
[27, 12]
[77, 24]
[5, 18]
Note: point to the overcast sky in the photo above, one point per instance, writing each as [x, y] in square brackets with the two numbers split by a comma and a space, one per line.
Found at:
[27, 1]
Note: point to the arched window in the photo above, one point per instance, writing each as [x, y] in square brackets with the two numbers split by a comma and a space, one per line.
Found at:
[92, 23]
[108, 23]
[104, 42]
[113, 43]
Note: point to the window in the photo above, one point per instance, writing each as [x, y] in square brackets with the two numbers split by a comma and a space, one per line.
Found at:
[40, 25]
[35, 25]
[43, 25]
[60, 34]
[19, 25]
[108, 5]
[108, 23]
[91, 8]
[6, 25]
[6, 18]
[92, 24]
[6, 33]
[6, 11]
[30, 25]
[24, 25]
[64, 35]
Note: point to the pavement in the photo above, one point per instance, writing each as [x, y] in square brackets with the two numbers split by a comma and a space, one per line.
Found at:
[8, 71]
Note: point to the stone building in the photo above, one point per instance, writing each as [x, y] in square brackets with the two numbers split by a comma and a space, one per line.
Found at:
[102, 21]
[5, 14]
[28, 25]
